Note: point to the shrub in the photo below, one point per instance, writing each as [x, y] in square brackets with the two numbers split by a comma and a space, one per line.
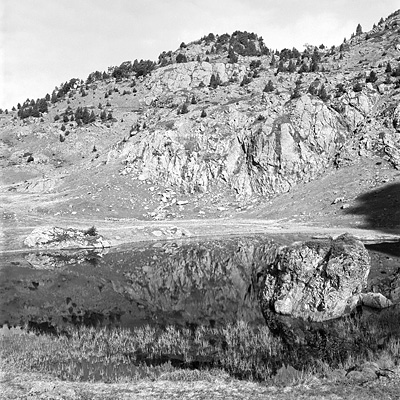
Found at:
[255, 64]
[281, 67]
[215, 81]
[56, 117]
[372, 78]
[203, 114]
[323, 94]
[358, 87]
[396, 72]
[92, 231]
[340, 89]
[246, 80]
[292, 66]
[269, 87]
[233, 58]
[184, 109]
[181, 58]
[304, 68]
[296, 92]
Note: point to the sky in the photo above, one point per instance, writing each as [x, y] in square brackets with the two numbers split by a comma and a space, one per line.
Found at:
[46, 42]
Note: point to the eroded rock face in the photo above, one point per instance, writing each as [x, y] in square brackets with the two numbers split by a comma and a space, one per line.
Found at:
[316, 280]
[64, 238]
[191, 75]
[249, 154]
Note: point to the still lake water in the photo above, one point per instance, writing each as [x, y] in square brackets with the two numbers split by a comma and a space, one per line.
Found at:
[191, 282]
[185, 283]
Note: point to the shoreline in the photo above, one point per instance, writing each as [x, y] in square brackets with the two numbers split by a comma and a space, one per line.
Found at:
[125, 232]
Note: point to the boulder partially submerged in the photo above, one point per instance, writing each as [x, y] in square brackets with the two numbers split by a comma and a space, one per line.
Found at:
[306, 290]
[53, 237]
[316, 280]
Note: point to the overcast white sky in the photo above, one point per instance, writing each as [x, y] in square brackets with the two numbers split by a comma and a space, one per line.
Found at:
[46, 42]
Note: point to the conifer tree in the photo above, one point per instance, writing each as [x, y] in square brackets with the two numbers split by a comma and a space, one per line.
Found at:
[85, 116]
[323, 94]
[42, 105]
[233, 58]
[281, 67]
[292, 66]
[184, 109]
[54, 97]
[359, 30]
[214, 81]
[269, 87]
[372, 77]
[296, 92]
[92, 117]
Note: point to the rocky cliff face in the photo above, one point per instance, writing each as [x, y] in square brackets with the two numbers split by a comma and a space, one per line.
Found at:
[260, 142]
[262, 152]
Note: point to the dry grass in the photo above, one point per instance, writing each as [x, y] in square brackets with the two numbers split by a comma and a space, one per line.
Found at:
[118, 355]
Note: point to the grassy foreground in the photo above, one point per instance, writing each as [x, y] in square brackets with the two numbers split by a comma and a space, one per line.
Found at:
[122, 355]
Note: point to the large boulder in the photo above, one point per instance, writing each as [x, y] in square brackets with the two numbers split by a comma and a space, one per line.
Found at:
[50, 237]
[305, 290]
[316, 280]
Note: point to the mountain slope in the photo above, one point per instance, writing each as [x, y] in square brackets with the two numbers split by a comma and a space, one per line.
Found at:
[219, 127]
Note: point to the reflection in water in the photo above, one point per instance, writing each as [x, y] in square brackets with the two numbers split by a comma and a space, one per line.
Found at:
[187, 283]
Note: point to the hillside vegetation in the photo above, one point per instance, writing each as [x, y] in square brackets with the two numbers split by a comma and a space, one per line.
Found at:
[222, 123]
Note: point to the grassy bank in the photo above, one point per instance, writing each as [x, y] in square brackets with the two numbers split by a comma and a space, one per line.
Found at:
[118, 355]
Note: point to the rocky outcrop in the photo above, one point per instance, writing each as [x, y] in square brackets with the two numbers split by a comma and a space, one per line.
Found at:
[248, 153]
[317, 280]
[186, 76]
[65, 238]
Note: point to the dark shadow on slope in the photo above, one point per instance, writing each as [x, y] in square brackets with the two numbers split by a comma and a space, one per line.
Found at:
[380, 207]
[392, 249]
